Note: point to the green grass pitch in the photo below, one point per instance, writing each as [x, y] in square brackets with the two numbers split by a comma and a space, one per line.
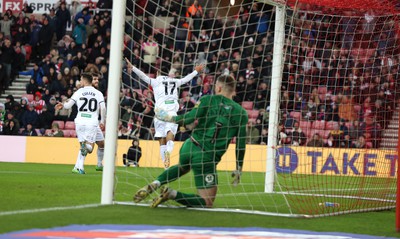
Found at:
[27, 188]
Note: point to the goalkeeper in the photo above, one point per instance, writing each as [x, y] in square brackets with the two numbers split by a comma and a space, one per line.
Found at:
[219, 120]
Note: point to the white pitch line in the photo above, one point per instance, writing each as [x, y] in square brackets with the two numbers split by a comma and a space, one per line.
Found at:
[47, 209]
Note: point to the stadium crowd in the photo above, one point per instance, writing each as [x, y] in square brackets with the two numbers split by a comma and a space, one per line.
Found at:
[336, 90]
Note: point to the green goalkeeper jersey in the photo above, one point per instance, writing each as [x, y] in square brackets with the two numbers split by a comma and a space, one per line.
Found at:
[219, 120]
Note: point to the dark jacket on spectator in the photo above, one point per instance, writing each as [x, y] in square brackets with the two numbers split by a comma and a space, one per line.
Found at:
[30, 116]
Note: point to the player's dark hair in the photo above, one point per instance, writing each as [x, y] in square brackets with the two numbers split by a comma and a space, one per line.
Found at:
[87, 76]
[228, 82]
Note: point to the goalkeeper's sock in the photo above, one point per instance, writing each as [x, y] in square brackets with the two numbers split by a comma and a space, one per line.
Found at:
[162, 152]
[171, 174]
[190, 200]
[100, 155]
[170, 146]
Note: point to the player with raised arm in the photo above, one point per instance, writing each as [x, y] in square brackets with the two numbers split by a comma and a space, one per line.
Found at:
[90, 103]
[219, 120]
[166, 97]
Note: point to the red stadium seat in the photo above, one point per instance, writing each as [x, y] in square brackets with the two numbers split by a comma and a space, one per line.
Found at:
[30, 97]
[295, 115]
[322, 133]
[72, 133]
[330, 125]
[253, 114]
[319, 124]
[66, 133]
[248, 105]
[305, 125]
[70, 125]
[61, 124]
[322, 90]
[28, 50]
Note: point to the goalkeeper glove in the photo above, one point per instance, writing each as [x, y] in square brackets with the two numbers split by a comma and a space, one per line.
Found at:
[163, 115]
[236, 176]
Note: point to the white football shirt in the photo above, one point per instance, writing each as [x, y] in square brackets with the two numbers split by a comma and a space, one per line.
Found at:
[165, 89]
[88, 100]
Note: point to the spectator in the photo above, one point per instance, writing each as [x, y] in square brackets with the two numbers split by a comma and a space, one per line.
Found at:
[310, 110]
[355, 131]
[150, 53]
[63, 114]
[194, 9]
[63, 20]
[264, 136]
[316, 141]
[296, 135]
[38, 103]
[330, 142]
[29, 131]
[5, 25]
[45, 38]
[30, 116]
[252, 133]
[104, 4]
[52, 19]
[26, 8]
[10, 102]
[10, 128]
[346, 142]
[132, 157]
[84, 14]
[7, 58]
[360, 143]
[35, 73]
[337, 135]
[24, 102]
[75, 8]
[79, 33]
[45, 118]
[55, 131]
[2, 117]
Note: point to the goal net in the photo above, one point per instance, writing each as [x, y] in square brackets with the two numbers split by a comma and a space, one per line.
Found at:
[318, 80]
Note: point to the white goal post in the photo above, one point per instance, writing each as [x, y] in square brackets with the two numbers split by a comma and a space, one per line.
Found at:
[117, 33]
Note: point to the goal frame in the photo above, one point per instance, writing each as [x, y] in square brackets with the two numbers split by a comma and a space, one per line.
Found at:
[116, 57]
[116, 60]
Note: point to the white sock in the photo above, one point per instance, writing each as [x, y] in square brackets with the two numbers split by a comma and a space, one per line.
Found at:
[77, 160]
[170, 146]
[81, 160]
[89, 148]
[100, 155]
[172, 194]
[157, 183]
[163, 148]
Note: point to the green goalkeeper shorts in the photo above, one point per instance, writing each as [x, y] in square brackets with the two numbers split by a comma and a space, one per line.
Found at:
[202, 163]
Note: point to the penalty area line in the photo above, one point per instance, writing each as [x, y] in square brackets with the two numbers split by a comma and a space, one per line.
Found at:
[47, 209]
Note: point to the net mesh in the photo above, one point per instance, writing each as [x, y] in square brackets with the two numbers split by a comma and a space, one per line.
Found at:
[338, 105]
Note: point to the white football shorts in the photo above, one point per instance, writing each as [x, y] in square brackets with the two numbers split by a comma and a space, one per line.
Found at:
[89, 133]
[162, 128]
